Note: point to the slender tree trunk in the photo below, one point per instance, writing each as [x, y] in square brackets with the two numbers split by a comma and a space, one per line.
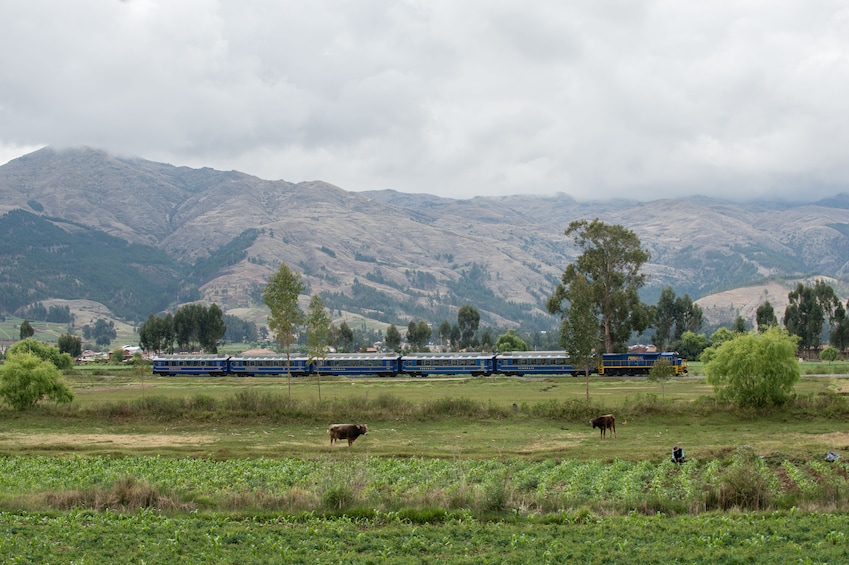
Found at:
[289, 371]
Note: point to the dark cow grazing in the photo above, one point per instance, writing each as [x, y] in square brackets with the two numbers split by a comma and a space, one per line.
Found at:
[346, 431]
[606, 422]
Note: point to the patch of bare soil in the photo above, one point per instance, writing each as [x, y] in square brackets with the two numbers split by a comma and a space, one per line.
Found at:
[117, 440]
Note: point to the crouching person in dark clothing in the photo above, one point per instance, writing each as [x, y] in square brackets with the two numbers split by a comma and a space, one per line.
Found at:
[677, 454]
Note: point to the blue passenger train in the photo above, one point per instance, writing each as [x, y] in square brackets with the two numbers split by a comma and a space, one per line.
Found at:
[524, 363]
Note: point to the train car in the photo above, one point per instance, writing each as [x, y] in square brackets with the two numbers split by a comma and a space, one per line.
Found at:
[213, 365]
[358, 364]
[426, 364]
[270, 365]
[627, 364]
[519, 363]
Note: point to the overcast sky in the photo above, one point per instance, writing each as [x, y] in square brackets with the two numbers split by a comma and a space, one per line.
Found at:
[596, 98]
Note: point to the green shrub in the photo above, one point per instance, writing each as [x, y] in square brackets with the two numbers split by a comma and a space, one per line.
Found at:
[337, 498]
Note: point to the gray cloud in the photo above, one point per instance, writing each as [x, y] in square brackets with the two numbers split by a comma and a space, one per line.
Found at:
[598, 99]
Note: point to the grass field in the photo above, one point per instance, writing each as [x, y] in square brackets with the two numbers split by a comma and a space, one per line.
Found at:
[483, 417]
[502, 470]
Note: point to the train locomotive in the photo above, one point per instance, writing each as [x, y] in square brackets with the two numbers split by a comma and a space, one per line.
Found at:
[524, 363]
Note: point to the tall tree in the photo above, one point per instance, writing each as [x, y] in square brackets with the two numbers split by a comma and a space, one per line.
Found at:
[393, 338]
[103, 332]
[418, 334]
[468, 320]
[444, 333]
[211, 328]
[70, 344]
[688, 316]
[664, 318]
[346, 337]
[610, 261]
[318, 329]
[26, 329]
[166, 332]
[487, 342]
[149, 339]
[839, 336]
[281, 296]
[807, 312]
[765, 316]
[579, 331]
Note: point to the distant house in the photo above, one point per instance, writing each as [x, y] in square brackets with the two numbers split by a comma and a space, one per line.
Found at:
[131, 350]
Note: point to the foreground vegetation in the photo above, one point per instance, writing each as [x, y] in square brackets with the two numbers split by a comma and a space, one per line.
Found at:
[742, 481]
[581, 537]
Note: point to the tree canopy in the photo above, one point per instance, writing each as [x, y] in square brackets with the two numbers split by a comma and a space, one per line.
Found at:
[70, 344]
[418, 334]
[673, 317]
[755, 369]
[193, 325]
[511, 341]
[468, 320]
[281, 296]
[579, 329]
[43, 351]
[765, 316]
[610, 262]
[318, 330]
[26, 379]
[26, 329]
[393, 338]
[807, 312]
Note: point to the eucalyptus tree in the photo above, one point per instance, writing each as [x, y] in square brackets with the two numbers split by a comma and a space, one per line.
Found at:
[393, 338]
[468, 320]
[806, 314]
[765, 317]
[26, 329]
[211, 328]
[444, 332]
[70, 344]
[689, 316]
[281, 296]
[839, 336]
[418, 334]
[610, 262]
[345, 337]
[664, 318]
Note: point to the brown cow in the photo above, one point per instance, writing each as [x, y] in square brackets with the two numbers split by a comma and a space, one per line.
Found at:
[346, 431]
[606, 422]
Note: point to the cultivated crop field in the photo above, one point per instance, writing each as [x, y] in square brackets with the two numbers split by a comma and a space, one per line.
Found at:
[215, 470]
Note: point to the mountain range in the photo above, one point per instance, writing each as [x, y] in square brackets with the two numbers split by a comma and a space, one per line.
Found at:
[141, 237]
